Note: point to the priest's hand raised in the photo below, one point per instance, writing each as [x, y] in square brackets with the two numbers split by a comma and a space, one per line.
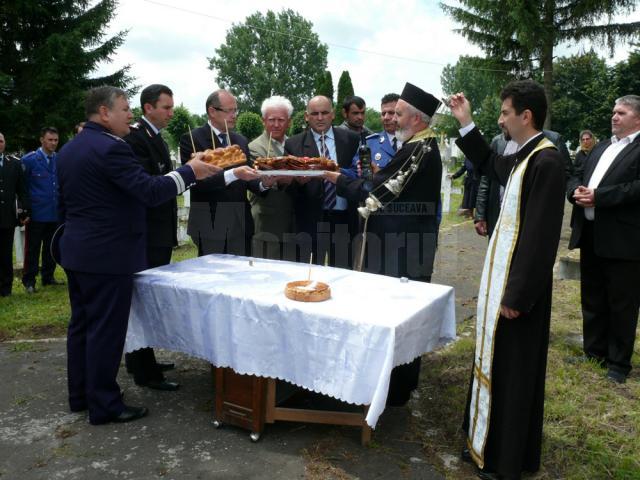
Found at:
[460, 108]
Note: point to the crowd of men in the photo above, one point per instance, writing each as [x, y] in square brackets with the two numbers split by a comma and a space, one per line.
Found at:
[113, 190]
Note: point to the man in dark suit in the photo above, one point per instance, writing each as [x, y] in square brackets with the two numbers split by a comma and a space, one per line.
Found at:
[104, 194]
[151, 151]
[605, 222]
[12, 187]
[327, 221]
[220, 215]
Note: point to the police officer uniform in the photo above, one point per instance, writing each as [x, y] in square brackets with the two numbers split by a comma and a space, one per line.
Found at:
[104, 195]
[40, 175]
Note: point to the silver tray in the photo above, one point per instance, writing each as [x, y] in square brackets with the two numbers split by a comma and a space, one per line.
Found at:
[291, 173]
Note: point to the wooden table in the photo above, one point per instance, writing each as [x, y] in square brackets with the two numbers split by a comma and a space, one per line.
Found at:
[232, 312]
[248, 402]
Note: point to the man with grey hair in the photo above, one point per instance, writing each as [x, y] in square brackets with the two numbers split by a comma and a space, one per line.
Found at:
[272, 212]
[104, 194]
[605, 222]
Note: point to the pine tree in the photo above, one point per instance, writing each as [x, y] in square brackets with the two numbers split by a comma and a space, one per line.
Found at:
[324, 85]
[345, 89]
[48, 50]
[523, 33]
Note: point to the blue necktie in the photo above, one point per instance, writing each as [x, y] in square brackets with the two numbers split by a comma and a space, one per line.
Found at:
[223, 139]
[329, 188]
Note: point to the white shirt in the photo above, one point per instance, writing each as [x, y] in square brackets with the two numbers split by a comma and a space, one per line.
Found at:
[604, 163]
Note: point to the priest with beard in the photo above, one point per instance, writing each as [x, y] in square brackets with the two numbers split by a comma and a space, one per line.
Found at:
[504, 414]
[401, 235]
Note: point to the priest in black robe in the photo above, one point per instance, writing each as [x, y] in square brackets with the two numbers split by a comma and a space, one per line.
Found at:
[402, 232]
[519, 330]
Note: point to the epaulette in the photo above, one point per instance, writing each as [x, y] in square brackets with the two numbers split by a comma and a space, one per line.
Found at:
[115, 137]
[372, 136]
[135, 125]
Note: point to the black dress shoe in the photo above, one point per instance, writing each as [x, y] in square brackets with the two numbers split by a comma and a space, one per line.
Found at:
[52, 281]
[161, 385]
[165, 366]
[130, 413]
[486, 475]
[616, 377]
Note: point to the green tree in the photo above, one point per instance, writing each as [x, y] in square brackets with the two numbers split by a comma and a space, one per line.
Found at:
[298, 123]
[481, 81]
[372, 119]
[267, 55]
[627, 74]
[249, 124]
[584, 93]
[345, 89]
[179, 125]
[522, 34]
[324, 85]
[48, 51]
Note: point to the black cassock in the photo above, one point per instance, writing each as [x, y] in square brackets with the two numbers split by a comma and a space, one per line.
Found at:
[402, 238]
[520, 345]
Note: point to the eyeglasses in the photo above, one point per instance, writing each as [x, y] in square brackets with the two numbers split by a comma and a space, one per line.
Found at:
[227, 110]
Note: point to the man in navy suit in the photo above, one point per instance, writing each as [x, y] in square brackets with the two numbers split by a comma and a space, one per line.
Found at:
[605, 223]
[220, 215]
[104, 194]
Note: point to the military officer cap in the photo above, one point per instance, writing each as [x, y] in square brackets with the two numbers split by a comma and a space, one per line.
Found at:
[418, 98]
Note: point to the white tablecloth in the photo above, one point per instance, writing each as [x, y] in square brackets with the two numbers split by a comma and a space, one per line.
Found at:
[233, 314]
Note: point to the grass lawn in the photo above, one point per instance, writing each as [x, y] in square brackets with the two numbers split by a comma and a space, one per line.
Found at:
[46, 313]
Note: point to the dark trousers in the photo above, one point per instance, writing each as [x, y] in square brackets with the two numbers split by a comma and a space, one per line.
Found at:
[38, 237]
[6, 260]
[610, 302]
[100, 307]
[333, 239]
[142, 363]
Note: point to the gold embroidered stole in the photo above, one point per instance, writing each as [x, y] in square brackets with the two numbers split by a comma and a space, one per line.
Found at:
[492, 286]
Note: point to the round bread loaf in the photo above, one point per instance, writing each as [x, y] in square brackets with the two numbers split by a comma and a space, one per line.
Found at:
[307, 291]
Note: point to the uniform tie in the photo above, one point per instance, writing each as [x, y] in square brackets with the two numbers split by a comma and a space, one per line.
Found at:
[329, 188]
[394, 144]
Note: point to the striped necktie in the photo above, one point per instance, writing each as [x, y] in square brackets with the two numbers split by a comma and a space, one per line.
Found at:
[329, 188]
[223, 139]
